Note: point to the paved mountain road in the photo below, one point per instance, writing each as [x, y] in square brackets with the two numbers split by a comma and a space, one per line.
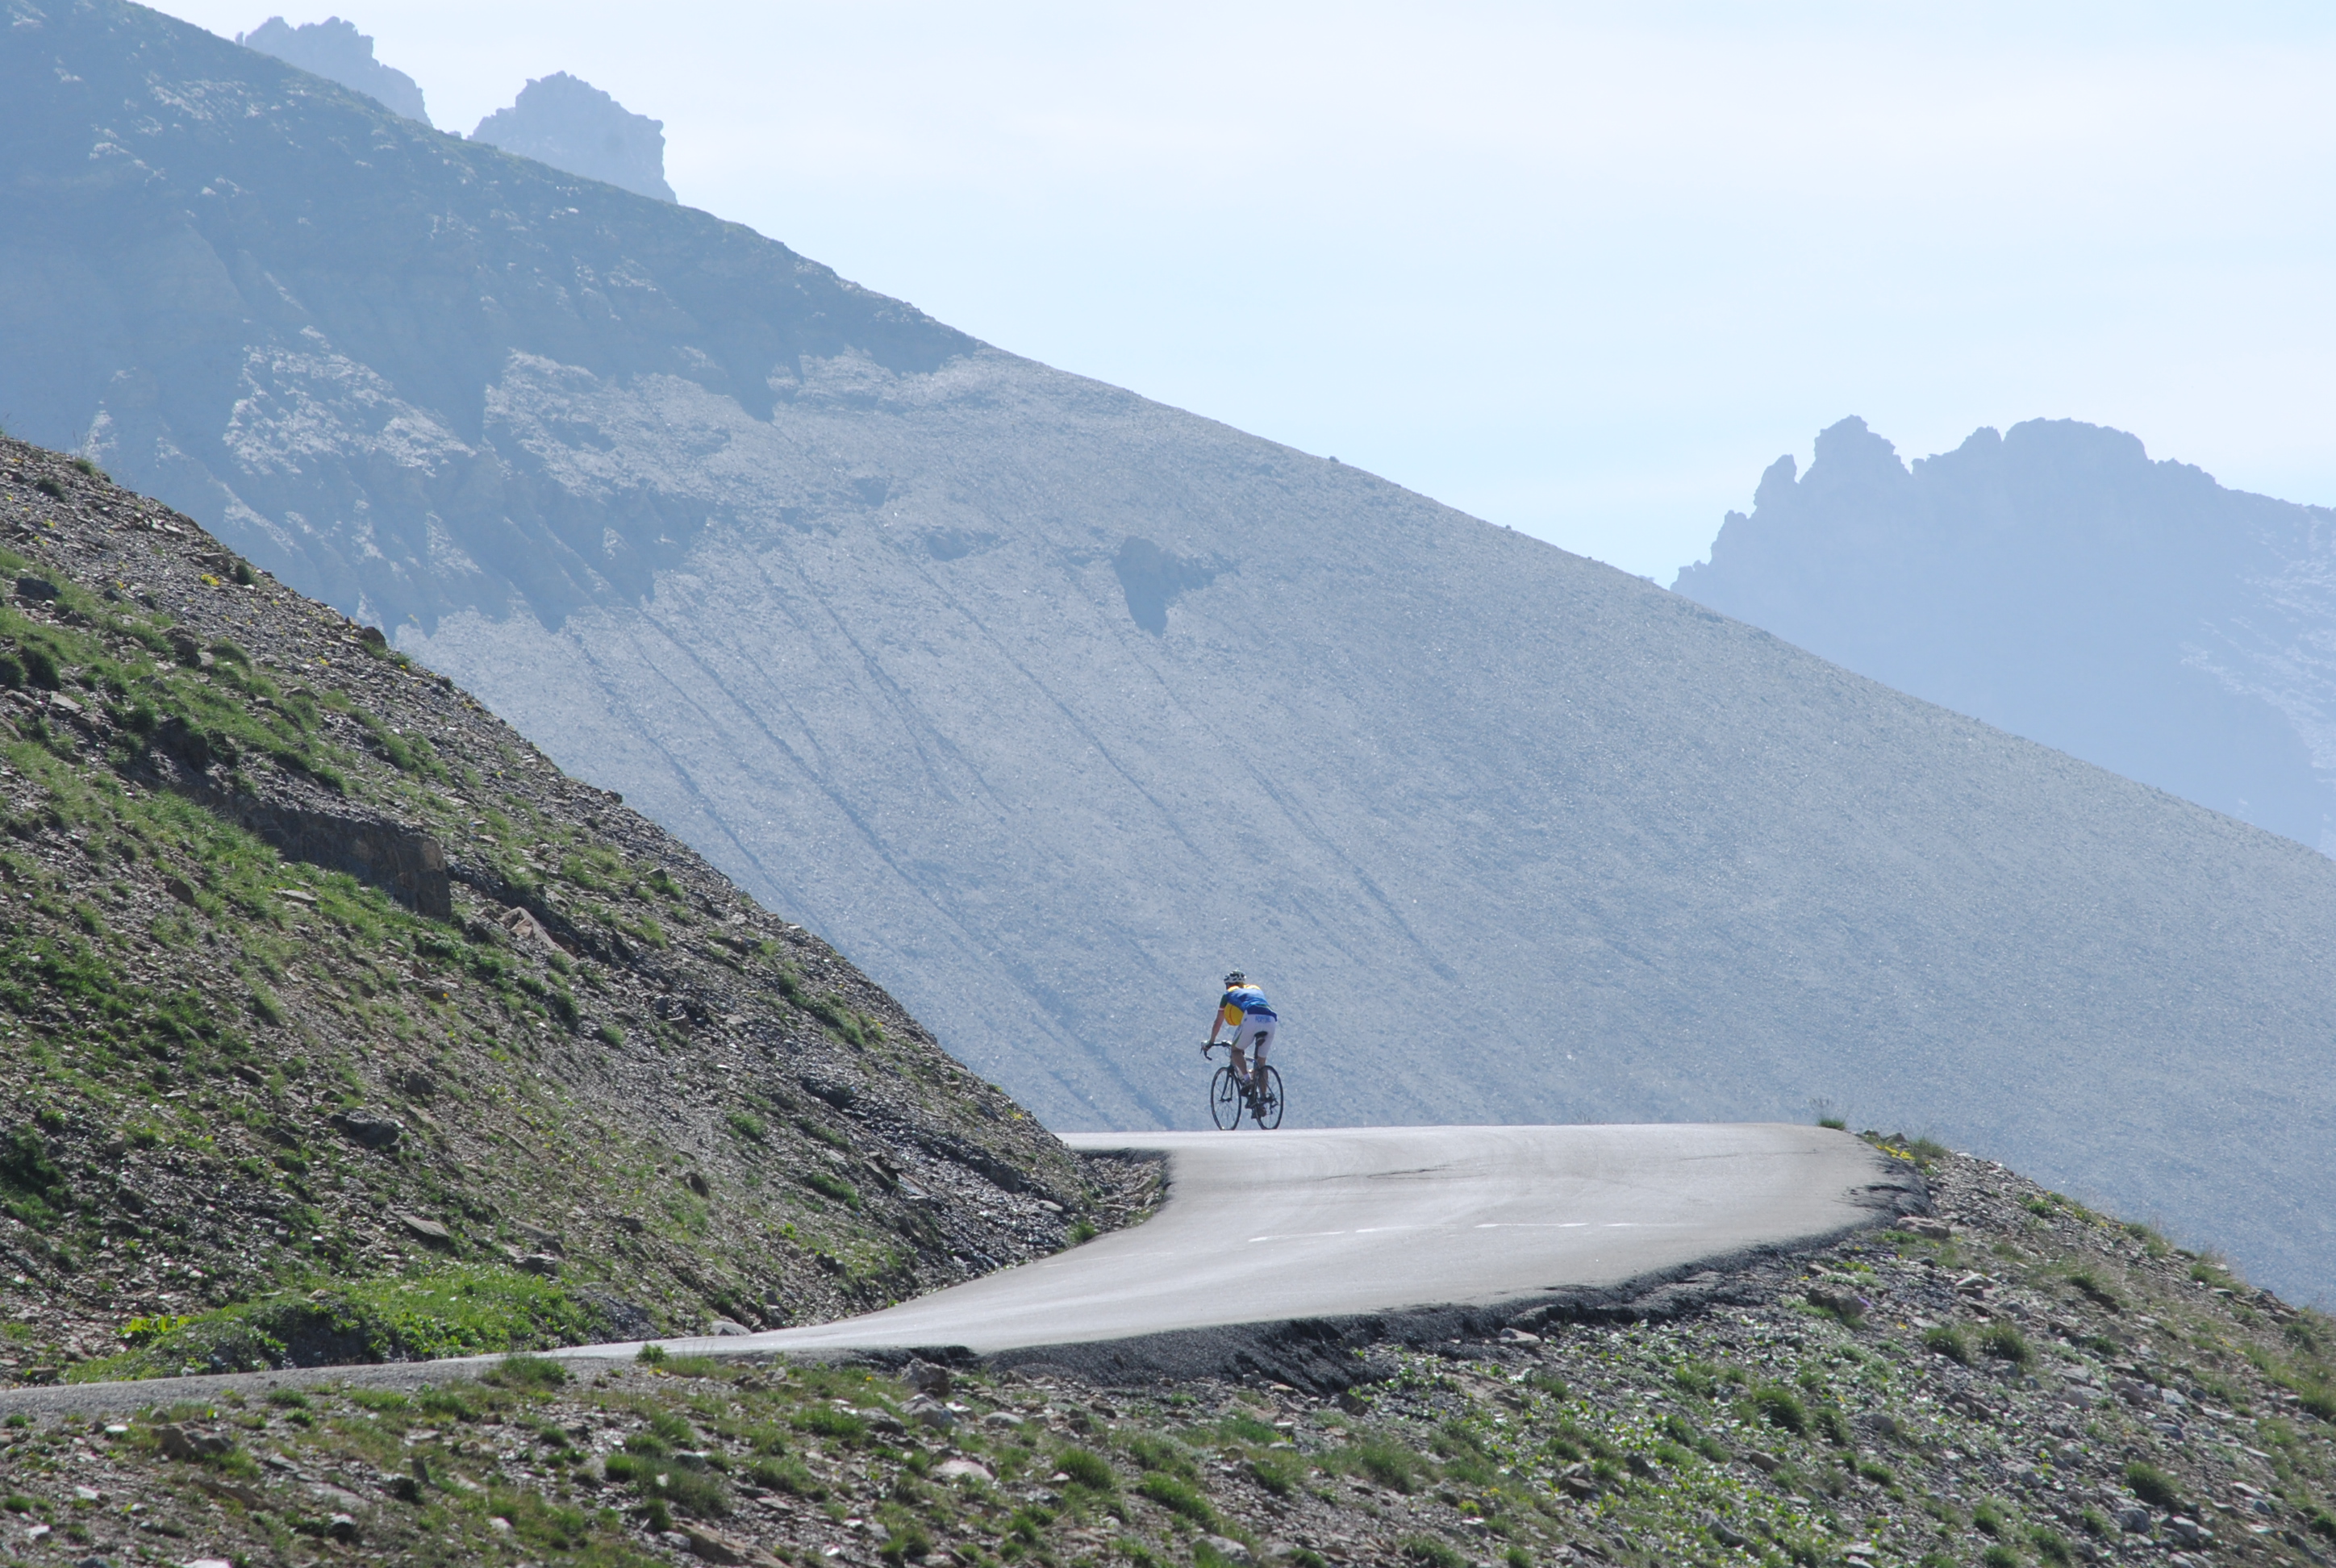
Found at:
[1266, 1227]
[1262, 1228]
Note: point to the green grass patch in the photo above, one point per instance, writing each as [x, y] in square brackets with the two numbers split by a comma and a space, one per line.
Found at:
[1780, 1408]
[1389, 1465]
[1949, 1342]
[835, 1187]
[2091, 1287]
[2153, 1486]
[1162, 1454]
[1277, 1474]
[826, 1421]
[663, 1482]
[459, 1310]
[1246, 1428]
[537, 1372]
[2005, 1343]
[788, 1475]
[1088, 1468]
[1179, 1498]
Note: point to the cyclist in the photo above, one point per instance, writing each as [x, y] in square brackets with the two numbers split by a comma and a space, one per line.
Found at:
[1244, 1009]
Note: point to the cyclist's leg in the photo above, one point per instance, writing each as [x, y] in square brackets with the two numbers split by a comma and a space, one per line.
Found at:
[1255, 1033]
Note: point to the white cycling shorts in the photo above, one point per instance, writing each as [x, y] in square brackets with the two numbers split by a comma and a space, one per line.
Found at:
[1256, 1035]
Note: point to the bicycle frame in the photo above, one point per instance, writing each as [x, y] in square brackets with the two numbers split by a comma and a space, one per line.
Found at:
[1226, 1105]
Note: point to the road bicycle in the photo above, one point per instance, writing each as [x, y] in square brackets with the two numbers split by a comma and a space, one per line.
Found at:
[1229, 1098]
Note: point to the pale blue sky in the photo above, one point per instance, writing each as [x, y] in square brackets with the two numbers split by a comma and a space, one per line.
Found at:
[1583, 269]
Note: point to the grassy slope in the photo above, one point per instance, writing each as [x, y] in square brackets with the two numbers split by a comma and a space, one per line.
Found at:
[2002, 1397]
[642, 1103]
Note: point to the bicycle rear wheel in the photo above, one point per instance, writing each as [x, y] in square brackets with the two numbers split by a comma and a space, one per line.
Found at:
[1226, 1099]
[1268, 1109]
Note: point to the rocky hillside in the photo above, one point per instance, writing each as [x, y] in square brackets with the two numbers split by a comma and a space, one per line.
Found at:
[1049, 705]
[2055, 582]
[315, 977]
[2019, 1380]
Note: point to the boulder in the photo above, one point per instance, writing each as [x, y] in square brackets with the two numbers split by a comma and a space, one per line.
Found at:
[713, 1546]
[182, 1442]
[428, 1230]
[955, 1469]
[375, 1132]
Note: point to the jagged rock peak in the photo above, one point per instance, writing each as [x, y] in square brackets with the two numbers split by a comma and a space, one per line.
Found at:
[336, 51]
[2055, 582]
[570, 124]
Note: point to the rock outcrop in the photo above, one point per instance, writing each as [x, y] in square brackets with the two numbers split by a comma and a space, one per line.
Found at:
[572, 124]
[336, 51]
[410, 866]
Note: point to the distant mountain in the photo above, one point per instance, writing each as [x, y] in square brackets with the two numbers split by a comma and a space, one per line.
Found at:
[572, 124]
[336, 51]
[2057, 583]
[1047, 704]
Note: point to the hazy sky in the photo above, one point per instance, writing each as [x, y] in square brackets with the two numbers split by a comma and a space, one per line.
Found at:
[1583, 269]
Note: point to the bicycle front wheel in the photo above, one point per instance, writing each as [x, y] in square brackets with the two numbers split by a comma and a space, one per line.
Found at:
[1268, 1109]
[1226, 1099]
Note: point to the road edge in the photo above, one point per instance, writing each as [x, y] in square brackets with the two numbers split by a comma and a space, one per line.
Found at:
[1318, 1355]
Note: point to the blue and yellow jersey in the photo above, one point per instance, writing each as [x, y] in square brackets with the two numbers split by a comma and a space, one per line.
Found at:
[1240, 1002]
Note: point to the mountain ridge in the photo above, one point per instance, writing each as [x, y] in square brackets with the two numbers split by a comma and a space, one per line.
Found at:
[2056, 582]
